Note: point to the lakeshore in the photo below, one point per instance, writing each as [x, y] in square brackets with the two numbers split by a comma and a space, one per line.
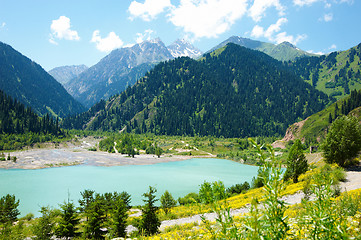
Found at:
[71, 154]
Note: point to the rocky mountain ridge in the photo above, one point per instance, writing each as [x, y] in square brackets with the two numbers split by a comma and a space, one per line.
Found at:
[64, 74]
[122, 68]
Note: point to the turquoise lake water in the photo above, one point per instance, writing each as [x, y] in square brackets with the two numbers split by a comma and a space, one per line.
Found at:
[49, 187]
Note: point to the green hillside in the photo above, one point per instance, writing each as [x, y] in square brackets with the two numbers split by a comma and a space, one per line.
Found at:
[29, 83]
[336, 74]
[233, 92]
[314, 128]
[284, 51]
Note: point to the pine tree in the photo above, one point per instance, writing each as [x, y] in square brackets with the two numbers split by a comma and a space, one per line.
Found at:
[8, 209]
[44, 227]
[167, 201]
[119, 219]
[296, 162]
[149, 222]
[68, 222]
[95, 221]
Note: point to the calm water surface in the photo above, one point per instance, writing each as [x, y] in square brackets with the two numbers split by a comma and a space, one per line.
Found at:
[49, 187]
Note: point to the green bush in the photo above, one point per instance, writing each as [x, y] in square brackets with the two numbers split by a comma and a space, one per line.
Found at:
[343, 141]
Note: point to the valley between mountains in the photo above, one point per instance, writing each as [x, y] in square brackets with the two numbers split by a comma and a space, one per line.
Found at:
[288, 118]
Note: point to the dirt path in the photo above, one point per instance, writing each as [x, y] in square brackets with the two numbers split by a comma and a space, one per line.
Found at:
[353, 179]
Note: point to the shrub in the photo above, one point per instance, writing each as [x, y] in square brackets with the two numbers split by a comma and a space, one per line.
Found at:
[343, 141]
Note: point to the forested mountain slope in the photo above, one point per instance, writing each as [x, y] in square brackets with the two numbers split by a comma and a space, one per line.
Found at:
[336, 74]
[18, 119]
[30, 84]
[314, 128]
[231, 92]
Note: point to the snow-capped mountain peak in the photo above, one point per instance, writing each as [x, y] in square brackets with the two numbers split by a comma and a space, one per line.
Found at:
[181, 48]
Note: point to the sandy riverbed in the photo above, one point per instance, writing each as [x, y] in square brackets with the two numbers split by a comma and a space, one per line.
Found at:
[79, 154]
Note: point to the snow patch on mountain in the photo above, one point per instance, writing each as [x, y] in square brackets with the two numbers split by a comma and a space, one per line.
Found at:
[182, 48]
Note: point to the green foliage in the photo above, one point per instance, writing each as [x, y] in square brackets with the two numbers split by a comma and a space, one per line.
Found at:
[190, 198]
[273, 222]
[238, 188]
[319, 219]
[8, 209]
[20, 126]
[343, 141]
[15, 118]
[119, 218]
[13, 232]
[206, 193]
[167, 201]
[158, 151]
[20, 141]
[296, 162]
[266, 222]
[43, 229]
[94, 221]
[87, 199]
[67, 225]
[212, 192]
[149, 222]
[107, 145]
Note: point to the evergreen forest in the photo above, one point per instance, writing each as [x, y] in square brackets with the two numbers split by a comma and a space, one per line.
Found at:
[231, 92]
[20, 126]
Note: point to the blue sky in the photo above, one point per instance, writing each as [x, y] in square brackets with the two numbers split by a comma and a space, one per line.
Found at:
[57, 33]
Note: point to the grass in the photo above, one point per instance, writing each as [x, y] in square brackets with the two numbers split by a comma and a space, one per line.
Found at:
[328, 74]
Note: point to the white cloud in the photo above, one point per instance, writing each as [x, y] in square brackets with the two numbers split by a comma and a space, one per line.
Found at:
[347, 1]
[207, 18]
[107, 44]
[3, 25]
[274, 28]
[149, 9]
[302, 3]
[273, 34]
[52, 41]
[60, 29]
[283, 37]
[333, 46]
[313, 52]
[259, 7]
[327, 17]
[147, 35]
[257, 31]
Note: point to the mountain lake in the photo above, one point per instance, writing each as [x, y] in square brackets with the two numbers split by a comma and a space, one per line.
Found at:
[52, 186]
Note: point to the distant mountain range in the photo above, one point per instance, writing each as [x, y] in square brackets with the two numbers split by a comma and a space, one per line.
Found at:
[231, 92]
[283, 52]
[29, 83]
[66, 73]
[122, 68]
